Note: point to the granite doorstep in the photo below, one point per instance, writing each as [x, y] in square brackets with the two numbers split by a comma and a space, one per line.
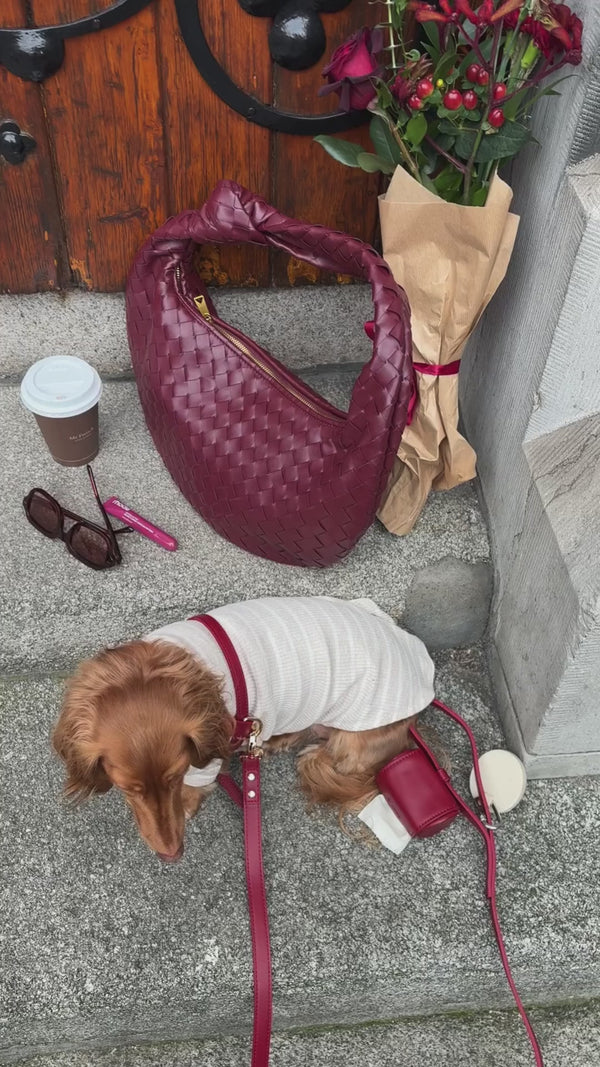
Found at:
[54, 610]
[301, 327]
[102, 945]
[569, 1036]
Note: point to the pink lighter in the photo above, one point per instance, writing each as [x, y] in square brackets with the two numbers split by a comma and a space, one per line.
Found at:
[120, 511]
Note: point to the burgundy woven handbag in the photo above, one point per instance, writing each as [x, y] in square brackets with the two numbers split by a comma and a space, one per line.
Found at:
[266, 461]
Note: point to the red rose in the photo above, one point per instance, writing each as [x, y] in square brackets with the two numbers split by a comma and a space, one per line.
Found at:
[351, 70]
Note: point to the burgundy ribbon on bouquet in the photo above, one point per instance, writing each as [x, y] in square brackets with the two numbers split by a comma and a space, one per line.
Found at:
[437, 370]
[440, 370]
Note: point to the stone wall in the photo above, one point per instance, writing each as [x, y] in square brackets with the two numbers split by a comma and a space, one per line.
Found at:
[530, 391]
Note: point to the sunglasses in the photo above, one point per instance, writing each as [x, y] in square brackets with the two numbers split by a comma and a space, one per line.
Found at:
[96, 546]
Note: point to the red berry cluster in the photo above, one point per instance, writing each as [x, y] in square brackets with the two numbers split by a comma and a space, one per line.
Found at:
[423, 89]
[454, 99]
[478, 75]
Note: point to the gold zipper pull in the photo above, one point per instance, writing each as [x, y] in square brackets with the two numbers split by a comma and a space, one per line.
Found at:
[200, 302]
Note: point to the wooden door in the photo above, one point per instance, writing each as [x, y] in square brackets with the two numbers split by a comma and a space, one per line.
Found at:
[127, 132]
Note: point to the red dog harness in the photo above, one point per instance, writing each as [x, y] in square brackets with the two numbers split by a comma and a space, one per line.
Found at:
[247, 731]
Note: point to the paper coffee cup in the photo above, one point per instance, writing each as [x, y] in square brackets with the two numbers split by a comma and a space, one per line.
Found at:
[63, 393]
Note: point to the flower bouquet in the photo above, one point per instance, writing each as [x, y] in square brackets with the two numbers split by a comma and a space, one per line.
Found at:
[451, 87]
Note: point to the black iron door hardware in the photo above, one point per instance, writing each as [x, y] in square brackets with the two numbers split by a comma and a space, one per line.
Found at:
[15, 145]
[296, 37]
[296, 40]
[36, 54]
[242, 102]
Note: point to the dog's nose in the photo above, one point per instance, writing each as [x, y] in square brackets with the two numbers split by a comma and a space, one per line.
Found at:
[173, 858]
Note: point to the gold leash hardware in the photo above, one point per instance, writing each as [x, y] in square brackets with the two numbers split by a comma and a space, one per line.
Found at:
[254, 745]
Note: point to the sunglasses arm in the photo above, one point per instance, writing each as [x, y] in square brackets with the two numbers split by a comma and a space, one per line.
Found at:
[107, 523]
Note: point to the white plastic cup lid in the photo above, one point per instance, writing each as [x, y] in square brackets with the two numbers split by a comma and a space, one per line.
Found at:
[503, 777]
[60, 387]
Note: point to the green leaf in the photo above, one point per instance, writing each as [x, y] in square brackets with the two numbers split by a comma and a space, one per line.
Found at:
[344, 151]
[384, 96]
[445, 140]
[466, 61]
[427, 183]
[445, 65]
[446, 126]
[431, 159]
[432, 52]
[549, 91]
[416, 129]
[432, 33]
[396, 19]
[413, 54]
[511, 107]
[449, 180]
[384, 142]
[464, 144]
[502, 145]
[371, 163]
[478, 196]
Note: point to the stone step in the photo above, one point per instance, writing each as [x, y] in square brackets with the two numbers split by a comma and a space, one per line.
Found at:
[102, 945]
[54, 610]
[302, 327]
[570, 1037]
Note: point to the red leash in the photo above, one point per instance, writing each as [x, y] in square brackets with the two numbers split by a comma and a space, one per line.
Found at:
[248, 798]
[487, 832]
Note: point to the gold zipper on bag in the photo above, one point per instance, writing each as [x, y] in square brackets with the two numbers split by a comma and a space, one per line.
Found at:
[202, 307]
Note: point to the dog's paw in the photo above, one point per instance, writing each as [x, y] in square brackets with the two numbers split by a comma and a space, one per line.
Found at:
[193, 797]
[284, 742]
[308, 749]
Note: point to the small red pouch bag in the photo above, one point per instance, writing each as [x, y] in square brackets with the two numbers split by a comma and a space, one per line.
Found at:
[416, 789]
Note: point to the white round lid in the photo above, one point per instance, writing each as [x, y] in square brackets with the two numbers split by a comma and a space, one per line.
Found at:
[59, 387]
[503, 777]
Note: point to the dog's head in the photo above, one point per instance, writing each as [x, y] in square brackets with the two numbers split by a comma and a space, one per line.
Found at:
[135, 717]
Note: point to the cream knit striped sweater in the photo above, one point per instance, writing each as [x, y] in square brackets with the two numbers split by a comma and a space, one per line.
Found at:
[312, 660]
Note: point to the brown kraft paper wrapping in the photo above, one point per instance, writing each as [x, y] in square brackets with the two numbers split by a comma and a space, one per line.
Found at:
[450, 259]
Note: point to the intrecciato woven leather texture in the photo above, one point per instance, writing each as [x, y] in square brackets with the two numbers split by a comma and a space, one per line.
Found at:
[261, 465]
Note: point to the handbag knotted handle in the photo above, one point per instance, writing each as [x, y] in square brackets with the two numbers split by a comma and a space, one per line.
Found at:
[233, 215]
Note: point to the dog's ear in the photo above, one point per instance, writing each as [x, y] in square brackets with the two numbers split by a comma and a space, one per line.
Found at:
[73, 741]
[198, 694]
[209, 726]
[209, 735]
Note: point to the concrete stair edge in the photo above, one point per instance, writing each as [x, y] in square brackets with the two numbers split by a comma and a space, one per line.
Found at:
[569, 1034]
[53, 610]
[302, 327]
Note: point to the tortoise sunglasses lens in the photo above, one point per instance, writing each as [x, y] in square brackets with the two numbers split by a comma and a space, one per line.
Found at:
[44, 512]
[84, 540]
[90, 546]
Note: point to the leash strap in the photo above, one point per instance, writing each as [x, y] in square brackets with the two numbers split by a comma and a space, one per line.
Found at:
[249, 800]
[243, 722]
[259, 917]
[231, 788]
[487, 832]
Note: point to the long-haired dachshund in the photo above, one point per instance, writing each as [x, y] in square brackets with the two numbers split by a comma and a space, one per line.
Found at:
[154, 717]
